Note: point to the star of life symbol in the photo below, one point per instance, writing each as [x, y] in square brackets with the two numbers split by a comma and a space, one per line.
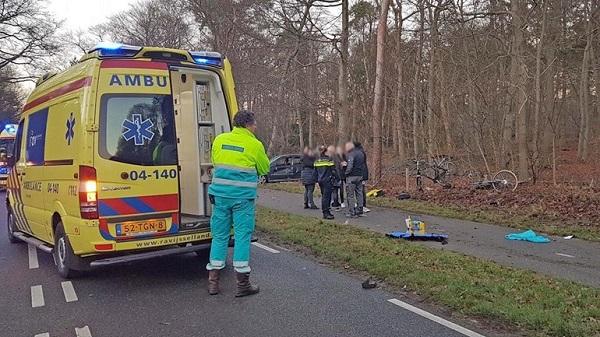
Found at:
[137, 129]
[70, 129]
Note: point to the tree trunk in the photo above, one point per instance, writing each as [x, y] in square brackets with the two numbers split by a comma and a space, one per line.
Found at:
[548, 85]
[379, 90]
[416, 85]
[584, 97]
[445, 115]
[342, 131]
[518, 84]
[538, 87]
[431, 141]
[398, 120]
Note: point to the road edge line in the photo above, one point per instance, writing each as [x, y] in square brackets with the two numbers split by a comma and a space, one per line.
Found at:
[268, 249]
[434, 318]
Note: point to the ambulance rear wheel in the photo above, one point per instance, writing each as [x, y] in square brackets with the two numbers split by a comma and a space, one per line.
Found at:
[63, 253]
[11, 225]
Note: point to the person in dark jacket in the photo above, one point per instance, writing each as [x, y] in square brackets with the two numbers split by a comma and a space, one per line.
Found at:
[308, 177]
[326, 177]
[355, 172]
[339, 159]
[359, 146]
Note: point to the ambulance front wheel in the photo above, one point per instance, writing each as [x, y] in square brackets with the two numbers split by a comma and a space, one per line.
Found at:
[63, 253]
[10, 224]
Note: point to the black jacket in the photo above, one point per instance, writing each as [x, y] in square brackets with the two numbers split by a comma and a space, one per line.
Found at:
[326, 170]
[357, 165]
[366, 169]
[308, 176]
[337, 160]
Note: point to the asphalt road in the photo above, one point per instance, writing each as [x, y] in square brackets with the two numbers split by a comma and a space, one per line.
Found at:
[575, 260]
[167, 297]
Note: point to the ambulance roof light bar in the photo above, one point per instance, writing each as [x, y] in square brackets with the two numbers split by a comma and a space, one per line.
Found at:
[11, 128]
[112, 49]
[208, 58]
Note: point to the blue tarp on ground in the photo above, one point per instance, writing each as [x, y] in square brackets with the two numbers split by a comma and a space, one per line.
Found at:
[528, 235]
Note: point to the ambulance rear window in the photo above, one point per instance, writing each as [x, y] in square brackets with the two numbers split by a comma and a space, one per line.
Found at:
[138, 129]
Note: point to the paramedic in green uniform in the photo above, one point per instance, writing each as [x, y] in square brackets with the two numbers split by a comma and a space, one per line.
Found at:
[239, 158]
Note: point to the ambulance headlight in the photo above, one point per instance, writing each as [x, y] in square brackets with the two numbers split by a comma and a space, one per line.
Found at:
[110, 49]
[207, 58]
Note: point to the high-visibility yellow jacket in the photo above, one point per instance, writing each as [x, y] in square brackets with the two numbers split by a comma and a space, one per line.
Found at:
[239, 158]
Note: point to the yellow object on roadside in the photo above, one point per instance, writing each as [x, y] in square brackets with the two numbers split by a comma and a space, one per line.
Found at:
[415, 226]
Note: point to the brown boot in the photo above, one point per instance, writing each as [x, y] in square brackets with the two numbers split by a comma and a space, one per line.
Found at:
[244, 288]
[213, 282]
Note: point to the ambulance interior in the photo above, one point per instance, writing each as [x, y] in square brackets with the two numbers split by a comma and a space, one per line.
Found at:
[200, 115]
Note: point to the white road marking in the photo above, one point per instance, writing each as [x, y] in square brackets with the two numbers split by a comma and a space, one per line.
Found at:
[45, 334]
[83, 332]
[565, 255]
[33, 257]
[37, 296]
[268, 249]
[435, 318]
[69, 291]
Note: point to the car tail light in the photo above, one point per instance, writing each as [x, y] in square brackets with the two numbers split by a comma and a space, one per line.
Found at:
[88, 192]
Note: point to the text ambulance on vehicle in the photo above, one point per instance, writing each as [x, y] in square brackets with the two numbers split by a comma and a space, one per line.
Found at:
[7, 145]
[112, 157]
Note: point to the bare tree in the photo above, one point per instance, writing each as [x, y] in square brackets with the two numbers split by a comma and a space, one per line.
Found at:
[11, 95]
[27, 36]
[379, 90]
[160, 23]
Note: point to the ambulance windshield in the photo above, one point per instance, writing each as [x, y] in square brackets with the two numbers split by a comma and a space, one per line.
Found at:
[138, 129]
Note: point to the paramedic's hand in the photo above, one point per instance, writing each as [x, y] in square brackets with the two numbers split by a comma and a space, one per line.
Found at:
[344, 163]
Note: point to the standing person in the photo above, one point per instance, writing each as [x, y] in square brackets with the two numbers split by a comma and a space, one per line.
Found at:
[338, 185]
[326, 177]
[359, 146]
[308, 176]
[354, 180]
[239, 158]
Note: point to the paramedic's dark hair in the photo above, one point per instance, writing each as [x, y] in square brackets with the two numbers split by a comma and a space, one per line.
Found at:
[244, 118]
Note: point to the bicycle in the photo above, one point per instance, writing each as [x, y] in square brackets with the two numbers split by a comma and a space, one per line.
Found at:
[503, 180]
[438, 170]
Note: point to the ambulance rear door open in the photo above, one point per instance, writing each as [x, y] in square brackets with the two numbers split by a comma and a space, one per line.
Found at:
[200, 114]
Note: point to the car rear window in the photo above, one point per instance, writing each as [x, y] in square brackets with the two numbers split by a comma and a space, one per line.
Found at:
[138, 129]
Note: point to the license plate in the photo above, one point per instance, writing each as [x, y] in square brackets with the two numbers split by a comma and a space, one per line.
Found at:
[132, 228]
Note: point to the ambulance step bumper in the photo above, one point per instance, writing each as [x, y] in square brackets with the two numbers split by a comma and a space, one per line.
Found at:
[147, 255]
[41, 245]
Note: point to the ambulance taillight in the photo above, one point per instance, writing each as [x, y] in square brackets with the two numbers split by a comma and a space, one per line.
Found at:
[88, 192]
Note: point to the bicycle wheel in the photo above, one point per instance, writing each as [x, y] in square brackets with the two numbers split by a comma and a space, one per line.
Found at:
[505, 180]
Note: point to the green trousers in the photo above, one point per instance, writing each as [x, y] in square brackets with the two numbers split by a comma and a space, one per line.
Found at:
[240, 213]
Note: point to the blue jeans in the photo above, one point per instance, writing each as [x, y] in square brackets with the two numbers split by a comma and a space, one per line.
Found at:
[240, 213]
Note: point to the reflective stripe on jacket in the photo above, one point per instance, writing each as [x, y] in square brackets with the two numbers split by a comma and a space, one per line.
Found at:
[325, 170]
[239, 159]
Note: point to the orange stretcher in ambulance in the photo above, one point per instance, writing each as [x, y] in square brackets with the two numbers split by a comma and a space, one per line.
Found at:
[112, 157]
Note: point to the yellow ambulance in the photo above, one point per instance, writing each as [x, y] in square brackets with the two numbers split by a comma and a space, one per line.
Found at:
[112, 156]
[7, 145]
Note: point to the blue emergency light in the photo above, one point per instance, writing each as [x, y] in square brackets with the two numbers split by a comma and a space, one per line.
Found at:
[11, 128]
[207, 58]
[112, 49]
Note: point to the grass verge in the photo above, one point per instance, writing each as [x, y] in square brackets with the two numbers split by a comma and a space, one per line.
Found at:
[471, 286]
[539, 223]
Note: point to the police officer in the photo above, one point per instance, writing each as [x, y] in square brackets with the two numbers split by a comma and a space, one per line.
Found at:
[327, 175]
[239, 158]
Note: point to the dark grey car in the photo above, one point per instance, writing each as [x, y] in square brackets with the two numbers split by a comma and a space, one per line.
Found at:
[285, 167]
